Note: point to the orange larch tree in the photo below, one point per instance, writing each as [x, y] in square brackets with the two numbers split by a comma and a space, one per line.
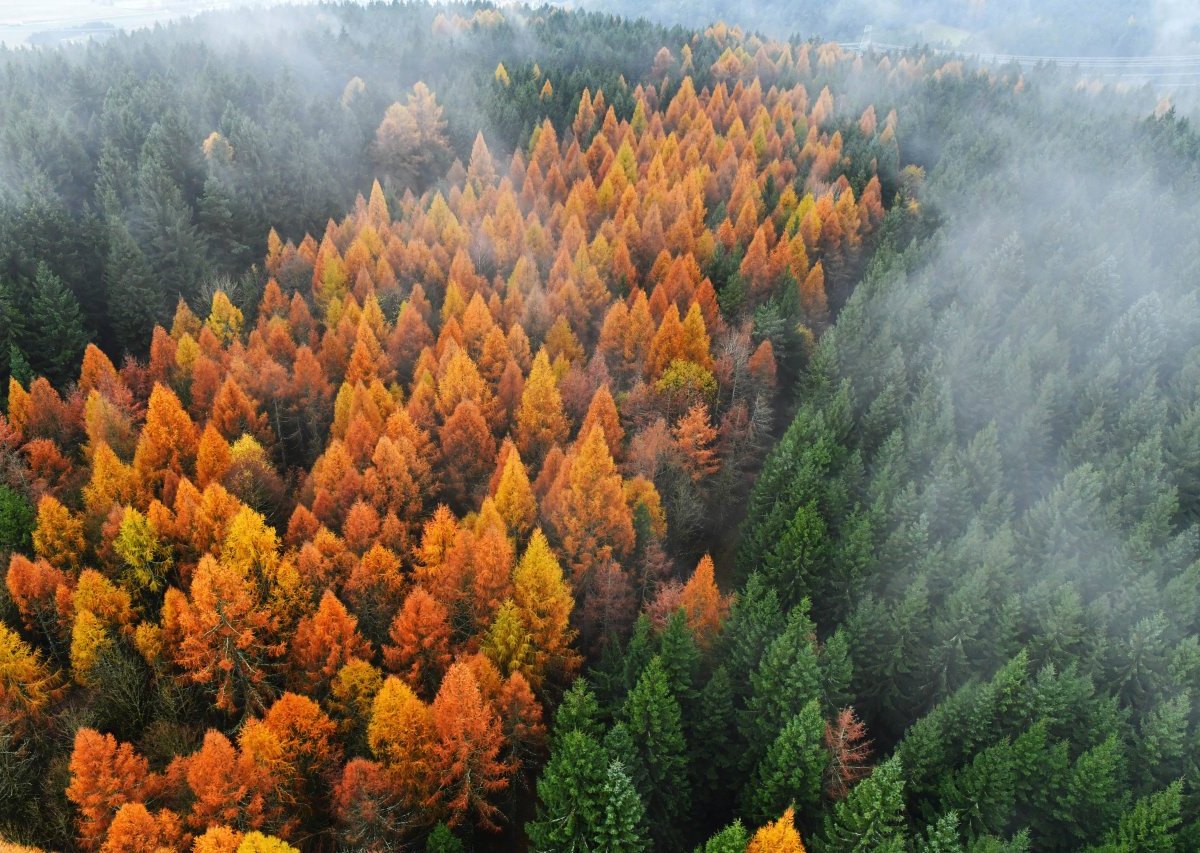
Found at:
[215, 787]
[696, 440]
[420, 642]
[602, 410]
[167, 446]
[135, 830]
[105, 775]
[234, 414]
[41, 593]
[374, 590]
[668, 344]
[703, 604]
[468, 449]
[777, 837]
[226, 638]
[466, 754]
[213, 457]
[597, 525]
[541, 423]
[323, 643]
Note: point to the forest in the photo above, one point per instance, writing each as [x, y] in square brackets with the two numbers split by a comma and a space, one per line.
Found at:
[625, 437]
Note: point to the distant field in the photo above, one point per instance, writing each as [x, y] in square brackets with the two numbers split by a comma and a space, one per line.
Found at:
[61, 20]
[933, 32]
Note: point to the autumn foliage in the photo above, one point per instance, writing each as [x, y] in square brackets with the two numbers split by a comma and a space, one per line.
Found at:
[373, 525]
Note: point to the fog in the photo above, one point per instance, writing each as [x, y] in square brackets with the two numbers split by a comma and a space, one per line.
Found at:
[1041, 27]
[1044, 340]
[49, 22]
[1035, 27]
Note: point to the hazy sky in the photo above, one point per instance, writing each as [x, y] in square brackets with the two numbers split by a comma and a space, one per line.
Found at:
[21, 19]
[1174, 25]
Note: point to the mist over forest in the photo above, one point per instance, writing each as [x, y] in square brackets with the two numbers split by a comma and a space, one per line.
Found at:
[1062, 28]
[666, 427]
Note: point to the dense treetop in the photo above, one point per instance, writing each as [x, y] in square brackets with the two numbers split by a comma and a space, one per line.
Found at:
[625, 439]
[323, 566]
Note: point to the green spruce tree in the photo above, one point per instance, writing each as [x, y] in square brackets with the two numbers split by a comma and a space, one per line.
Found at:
[871, 818]
[659, 765]
[58, 345]
[621, 828]
[786, 680]
[570, 795]
[731, 839]
[791, 772]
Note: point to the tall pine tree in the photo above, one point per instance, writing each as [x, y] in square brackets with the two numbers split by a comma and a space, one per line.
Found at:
[57, 337]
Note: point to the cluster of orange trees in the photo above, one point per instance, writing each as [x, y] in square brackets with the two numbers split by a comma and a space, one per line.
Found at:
[347, 557]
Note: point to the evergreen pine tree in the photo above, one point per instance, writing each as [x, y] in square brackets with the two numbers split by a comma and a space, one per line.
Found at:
[870, 818]
[9, 318]
[216, 217]
[56, 348]
[621, 827]
[16, 521]
[985, 789]
[18, 365]
[655, 730]
[755, 619]
[1151, 826]
[680, 658]
[786, 680]
[941, 837]
[163, 228]
[836, 673]
[714, 746]
[570, 795]
[1096, 792]
[731, 839]
[791, 772]
[133, 301]
[578, 712]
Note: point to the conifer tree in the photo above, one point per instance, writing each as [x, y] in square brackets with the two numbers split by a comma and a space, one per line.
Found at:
[713, 750]
[731, 839]
[786, 680]
[1151, 824]
[540, 420]
[790, 774]
[597, 524]
[544, 601]
[134, 302]
[620, 829]
[658, 761]
[54, 312]
[515, 500]
[465, 754]
[16, 520]
[779, 836]
[571, 796]
[578, 711]
[870, 818]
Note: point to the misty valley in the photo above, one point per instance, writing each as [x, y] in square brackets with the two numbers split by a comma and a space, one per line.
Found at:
[485, 427]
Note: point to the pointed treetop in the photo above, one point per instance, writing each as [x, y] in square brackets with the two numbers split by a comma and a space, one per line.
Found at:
[377, 209]
[777, 837]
